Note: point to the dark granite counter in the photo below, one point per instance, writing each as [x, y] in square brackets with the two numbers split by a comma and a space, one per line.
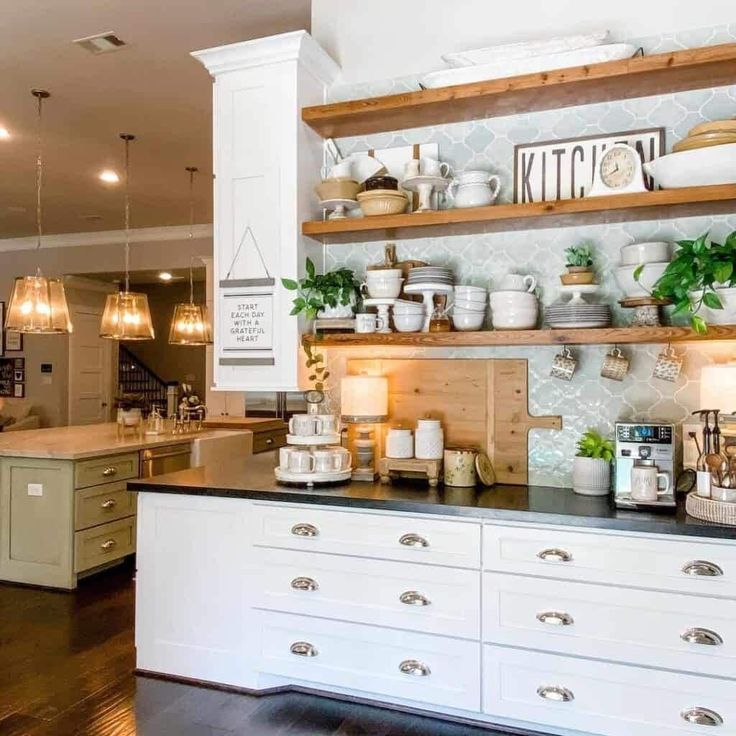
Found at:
[253, 478]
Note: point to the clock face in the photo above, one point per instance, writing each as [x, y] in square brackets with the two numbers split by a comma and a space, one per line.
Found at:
[618, 167]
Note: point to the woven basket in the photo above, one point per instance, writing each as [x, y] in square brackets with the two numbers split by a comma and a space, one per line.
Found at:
[719, 512]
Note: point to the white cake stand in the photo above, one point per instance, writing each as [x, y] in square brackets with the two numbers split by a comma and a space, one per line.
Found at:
[426, 186]
[311, 479]
[338, 207]
[577, 291]
[428, 292]
[382, 306]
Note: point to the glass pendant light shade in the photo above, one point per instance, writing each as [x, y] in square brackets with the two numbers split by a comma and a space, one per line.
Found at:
[190, 325]
[38, 305]
[127, 317]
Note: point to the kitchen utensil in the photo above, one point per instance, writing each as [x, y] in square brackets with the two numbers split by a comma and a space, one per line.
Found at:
[474, 189]
[399, 443]
[714, 464]
[701, 167]
[517, 282]
[645, 483]
[459, 467]
[648, 252]
[716, 432]
[615, 365]
[564, 365]
[382, 202]
[668, 365]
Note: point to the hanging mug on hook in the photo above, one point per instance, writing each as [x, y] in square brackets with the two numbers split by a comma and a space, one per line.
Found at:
[564, 365]
[615, 365]
[668, 365]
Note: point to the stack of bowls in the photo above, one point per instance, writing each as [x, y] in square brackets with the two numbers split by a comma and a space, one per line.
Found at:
[432, 275]
[705, 135]
[376, 202]
[514, 310]
[469, 308]
[384, 283]
[408, 316]
[654, 256]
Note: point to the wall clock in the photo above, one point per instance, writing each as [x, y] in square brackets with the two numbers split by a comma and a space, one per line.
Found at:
[619, 171]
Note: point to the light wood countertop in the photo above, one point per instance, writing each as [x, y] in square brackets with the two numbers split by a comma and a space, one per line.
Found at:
[93, 440]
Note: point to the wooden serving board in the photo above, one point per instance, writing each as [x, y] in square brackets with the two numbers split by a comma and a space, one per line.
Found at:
[482, 403]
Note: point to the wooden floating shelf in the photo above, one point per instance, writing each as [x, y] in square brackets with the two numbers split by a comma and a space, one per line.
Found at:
[498, 338]
[677, 71]
[720, 199]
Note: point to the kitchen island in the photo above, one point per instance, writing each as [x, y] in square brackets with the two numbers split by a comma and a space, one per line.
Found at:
[521, 606]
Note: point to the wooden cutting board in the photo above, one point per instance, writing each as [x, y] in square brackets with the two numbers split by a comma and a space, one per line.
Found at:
[482, 403]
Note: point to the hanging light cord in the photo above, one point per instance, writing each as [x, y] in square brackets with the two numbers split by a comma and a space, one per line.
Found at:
[192, 171]
[40, 95]
[127, 138]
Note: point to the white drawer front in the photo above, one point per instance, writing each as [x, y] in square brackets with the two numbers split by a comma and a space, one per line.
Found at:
[669, 630]
[602, 698]
[626, 560]
[370, 659]
[405, 538]
[433, 600]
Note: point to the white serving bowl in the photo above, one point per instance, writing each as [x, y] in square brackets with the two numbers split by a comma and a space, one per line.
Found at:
[462, 292]
[468, 321]
[470, 306]
[649, 276]
[410, 308]
[725, 316]
[636, 253]
[513, 298]
[383, 273]
[408, 322]
[384, 288]
[699, 167]
[515, 319]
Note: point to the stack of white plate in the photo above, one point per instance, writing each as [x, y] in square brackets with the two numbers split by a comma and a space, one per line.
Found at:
[430, 275]
[577, 314]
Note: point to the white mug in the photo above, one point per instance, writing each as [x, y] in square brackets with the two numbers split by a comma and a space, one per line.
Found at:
[301, 461]
[326, 423]
[342, 170]
[516, 282]
[645, 483]
[432, 167]
[303, 425]
[411, 168]
[367, 322]
[284, 453]
[365, 166]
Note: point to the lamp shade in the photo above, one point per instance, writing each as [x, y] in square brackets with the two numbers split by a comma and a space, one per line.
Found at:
[127, 317]
[190, 325]
[38, 305]
[718, 387]
[364, 399]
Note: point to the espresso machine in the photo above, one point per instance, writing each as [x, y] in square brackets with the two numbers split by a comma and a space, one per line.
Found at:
[645, 444]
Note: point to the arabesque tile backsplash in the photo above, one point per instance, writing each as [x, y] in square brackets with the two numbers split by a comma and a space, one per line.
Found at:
[589, 400]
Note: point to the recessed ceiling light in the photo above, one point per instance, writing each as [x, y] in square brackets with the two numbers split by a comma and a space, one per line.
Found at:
[4, 133]
[100, 43]
[165, 276]
[109, 176]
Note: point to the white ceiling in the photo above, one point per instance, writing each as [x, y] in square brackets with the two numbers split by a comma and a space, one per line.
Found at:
[152, 88]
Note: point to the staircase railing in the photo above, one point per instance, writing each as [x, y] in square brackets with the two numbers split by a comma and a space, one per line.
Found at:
[135, 377]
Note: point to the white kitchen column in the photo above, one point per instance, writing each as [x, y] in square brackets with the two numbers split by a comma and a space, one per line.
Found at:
[266, 164]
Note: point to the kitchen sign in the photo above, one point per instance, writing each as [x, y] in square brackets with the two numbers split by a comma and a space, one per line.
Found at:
[248, 321]
[564, 169]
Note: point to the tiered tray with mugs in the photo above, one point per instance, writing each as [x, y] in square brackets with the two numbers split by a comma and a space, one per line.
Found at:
[312, 455]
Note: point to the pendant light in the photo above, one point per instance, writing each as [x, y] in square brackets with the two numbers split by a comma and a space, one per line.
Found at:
[190, 324]
[38, 304]
[126, 315]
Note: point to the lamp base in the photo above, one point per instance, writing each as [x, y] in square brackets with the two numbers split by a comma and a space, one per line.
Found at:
[365, 456]
[366, 475]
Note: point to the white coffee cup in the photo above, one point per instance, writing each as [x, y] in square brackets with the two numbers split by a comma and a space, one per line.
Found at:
[301, 461]
[303, 425]
[411, 168]
[284, 453]
[517, 282]
[342, 170]
[432, 167]
[368, 322]
[645, 483]
[328, 461]
[326, 423]
[364, 167]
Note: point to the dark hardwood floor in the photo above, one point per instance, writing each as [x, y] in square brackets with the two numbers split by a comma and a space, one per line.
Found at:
[66, 669]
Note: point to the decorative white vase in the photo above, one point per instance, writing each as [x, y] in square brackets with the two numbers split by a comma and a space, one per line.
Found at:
[591, 476]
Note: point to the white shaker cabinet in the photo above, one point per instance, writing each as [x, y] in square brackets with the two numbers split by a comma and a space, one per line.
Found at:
[266, 164]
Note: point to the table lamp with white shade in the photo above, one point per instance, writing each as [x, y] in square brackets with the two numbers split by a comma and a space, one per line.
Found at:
[718, 387]
[364, 401]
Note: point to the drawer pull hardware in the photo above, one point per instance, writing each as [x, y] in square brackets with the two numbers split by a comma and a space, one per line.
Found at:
[556, 693]
[702, 568]
[305, 530]
[701, 636]
[702, 716]
[414, 598]
[108, 545]
[415, 668]
[111, 503]
[413, 540]
[111, 470]
[554, 555]
[304, 584]
[555, 618]
[269, 441]
[303, 649]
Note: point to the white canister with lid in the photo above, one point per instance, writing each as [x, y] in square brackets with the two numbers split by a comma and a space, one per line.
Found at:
[429, 440]
[399, 443]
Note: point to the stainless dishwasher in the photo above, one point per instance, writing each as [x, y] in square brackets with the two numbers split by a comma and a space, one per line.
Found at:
[167, 459]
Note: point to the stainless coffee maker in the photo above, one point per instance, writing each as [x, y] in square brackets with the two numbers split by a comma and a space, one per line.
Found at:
[644, 444]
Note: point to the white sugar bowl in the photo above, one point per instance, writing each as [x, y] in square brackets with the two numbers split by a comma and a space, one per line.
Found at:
[399, 443]
[429, 440]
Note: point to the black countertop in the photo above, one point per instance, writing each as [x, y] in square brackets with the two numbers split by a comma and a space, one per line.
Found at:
[253, 478]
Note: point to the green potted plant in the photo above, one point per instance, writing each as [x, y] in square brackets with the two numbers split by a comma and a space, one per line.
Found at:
[579, 264]
[700, 281]
[332, 295]
[591, 470]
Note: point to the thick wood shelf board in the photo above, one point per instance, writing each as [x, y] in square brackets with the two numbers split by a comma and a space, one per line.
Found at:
[709, 66]
[720, 199]
[498, 338]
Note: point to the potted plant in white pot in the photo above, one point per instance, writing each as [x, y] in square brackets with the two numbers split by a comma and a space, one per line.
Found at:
[332, 295]
[591, 470]
[130, 409]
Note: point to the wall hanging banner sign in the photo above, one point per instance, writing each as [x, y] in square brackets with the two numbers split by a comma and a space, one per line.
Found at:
[564, 169]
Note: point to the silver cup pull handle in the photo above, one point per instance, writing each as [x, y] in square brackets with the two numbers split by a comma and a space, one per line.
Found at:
[702, 568]
[414, 598]
[305, 530]
[555, 692]
[702, 636]
[413, 540]
[701, 716]
[415, 668]
[304, 583]
[555, 618]
[554, 555]
[303, 649]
